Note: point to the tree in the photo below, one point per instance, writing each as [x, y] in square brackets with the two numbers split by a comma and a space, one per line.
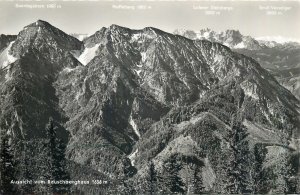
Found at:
[24, 167]
[173, 180]
[55, 151]
[245, 180]
[260, 185]
[124, 172]
[230, 165]
[197, 181]
[282, 172]
[152, 179]
[238, 177]
[6, 167]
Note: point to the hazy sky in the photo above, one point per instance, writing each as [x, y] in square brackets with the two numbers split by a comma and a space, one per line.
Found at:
[255, 18]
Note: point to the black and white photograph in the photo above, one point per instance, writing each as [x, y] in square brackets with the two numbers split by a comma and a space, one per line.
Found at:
[138, 97]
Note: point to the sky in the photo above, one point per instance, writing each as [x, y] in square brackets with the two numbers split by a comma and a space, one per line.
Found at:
[254, 18]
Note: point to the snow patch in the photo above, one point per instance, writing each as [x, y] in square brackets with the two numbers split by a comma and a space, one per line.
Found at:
[78, 94]
[88, 54]
[134, 126]
[67, 69]
[240, 45]
[278, 99]
[250, 90]
[206, 34]
[136, 36]
[218, 58]
[7, 58]
[226, 44]
[8, 76]
[138, 72]
[143, 54]
[202, 93]
[132, 156]
[266, 116]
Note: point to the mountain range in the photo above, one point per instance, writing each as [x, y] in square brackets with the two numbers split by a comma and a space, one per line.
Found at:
[147, 110]
[234, 39]
[280, 56]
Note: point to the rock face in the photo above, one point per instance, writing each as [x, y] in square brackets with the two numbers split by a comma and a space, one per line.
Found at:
[157, 111]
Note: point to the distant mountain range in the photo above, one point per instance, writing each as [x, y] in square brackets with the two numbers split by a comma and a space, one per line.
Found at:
[279, 55]
[235, 40]
[277, 39]
[146, 110]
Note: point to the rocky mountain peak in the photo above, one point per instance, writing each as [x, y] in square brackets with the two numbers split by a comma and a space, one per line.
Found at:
[41, 23]
[118, 28]
[153, 30]
[40, 27]
[44, 38]
[206, 30]
[232, 32]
